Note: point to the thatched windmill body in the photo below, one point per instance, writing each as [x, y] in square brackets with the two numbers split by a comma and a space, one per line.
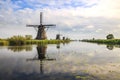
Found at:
[41, 32]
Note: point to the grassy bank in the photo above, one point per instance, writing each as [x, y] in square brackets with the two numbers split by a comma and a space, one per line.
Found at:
[46, 41]
[4, 42]
[104, 41]
[27, 42]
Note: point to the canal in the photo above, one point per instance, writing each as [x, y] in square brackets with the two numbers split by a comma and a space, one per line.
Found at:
[73, 61]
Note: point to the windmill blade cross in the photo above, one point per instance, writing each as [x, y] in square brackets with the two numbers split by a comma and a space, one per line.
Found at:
[40, 17]
[32, 25]
[35, 29]
[49, 25]
[41, 33]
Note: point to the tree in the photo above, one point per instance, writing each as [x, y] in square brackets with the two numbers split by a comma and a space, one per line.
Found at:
[110, 36]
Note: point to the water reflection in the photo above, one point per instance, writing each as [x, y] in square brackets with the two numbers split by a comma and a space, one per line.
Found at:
[58, 46]
[76, 61]
[41, 56]
[111, 47]
[20, 48]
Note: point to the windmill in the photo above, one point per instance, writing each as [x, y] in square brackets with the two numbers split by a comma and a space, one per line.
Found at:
[58, 36]
[41, 33]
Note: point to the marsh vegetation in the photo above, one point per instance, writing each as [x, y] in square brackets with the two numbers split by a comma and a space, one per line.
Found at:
[20, 40]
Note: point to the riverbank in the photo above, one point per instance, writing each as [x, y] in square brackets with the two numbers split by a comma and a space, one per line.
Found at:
[28, 42]
[4, 42]
[103, 41]
[46, 41]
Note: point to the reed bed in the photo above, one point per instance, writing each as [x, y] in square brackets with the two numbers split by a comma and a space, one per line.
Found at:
[20, 40]
[29, 42]
[4, 42]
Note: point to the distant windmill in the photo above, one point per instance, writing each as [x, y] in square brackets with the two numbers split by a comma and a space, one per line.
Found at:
[63, 38]
[58, 36]
[41, 33]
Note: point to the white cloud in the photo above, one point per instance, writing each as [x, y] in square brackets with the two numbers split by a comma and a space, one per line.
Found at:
[102, 17]
[90, 27]
[105, 8]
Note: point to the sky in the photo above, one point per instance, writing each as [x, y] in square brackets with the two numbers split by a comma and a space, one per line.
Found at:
[76, 19]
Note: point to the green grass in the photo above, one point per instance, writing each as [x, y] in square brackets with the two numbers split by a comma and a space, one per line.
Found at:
[27, 42]
[104, 41]
[46, 41]
[21, 40]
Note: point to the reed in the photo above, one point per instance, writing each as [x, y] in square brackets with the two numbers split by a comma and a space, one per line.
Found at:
[4, 42]
[20, 40]
[15, 42]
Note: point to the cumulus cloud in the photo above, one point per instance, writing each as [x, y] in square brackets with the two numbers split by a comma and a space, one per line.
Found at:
[90, 27]
[75, 19]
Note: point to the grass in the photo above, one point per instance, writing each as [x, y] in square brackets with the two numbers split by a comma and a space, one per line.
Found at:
[27, 42]
[104, 41]
[46, 41]
[21, 40]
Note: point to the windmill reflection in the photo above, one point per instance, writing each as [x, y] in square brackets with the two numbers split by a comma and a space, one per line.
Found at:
[58, 46]
[41, 56]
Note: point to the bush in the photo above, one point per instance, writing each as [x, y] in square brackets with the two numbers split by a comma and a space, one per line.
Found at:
[16, 40]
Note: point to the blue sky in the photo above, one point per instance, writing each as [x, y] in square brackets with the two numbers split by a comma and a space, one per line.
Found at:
[49, 3]
[77, 19]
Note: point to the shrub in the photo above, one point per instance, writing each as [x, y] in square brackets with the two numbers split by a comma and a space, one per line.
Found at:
[16, 40]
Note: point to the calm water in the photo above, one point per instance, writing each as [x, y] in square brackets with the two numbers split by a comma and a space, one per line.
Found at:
[73, 61]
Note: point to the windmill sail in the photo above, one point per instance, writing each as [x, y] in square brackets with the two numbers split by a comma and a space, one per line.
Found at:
[40, 17]
[41, 33]
[32, 25]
